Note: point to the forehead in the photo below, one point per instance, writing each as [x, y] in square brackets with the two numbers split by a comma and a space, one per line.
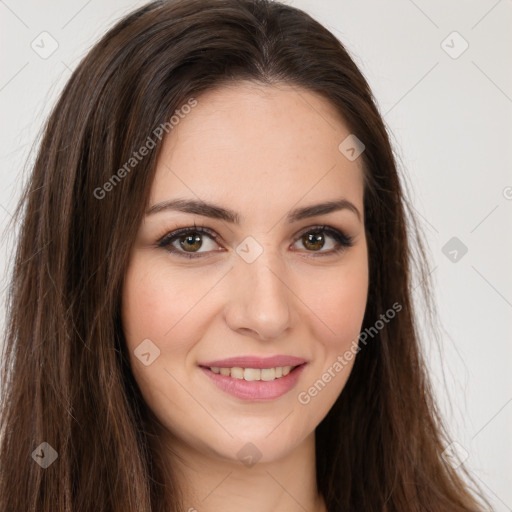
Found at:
[258, 148]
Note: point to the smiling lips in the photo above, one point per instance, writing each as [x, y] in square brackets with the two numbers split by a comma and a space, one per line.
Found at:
[254, 378]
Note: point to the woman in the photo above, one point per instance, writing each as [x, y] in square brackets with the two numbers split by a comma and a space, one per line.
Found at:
[211, 302]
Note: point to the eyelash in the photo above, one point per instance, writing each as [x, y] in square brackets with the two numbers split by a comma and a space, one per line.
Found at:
[344, 241]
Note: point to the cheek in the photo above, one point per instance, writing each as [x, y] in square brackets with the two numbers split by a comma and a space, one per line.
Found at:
[337, 300]
[337, 305]
[336, 308]
[157, 303]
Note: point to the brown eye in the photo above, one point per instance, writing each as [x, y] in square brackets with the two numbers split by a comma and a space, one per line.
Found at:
[313, 241]
[187, 242]
[190, 242]
[325, 237]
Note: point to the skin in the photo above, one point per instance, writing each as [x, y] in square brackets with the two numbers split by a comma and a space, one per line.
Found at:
[261, 151]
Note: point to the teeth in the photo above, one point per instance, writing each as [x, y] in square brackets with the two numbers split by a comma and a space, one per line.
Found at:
[252, 374]
[268, 373]
[237, 373]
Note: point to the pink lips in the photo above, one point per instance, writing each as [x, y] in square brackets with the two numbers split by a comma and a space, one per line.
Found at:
[255, 390]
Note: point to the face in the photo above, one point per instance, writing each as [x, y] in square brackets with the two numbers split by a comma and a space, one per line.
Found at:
[235, 325]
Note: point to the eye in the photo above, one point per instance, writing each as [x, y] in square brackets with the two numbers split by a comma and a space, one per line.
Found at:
[314, 239]
[187, 242]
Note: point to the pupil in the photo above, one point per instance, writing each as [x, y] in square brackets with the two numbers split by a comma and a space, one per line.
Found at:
[314, 238]
[192, 240]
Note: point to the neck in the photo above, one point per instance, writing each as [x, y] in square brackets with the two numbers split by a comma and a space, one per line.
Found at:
[210, 482]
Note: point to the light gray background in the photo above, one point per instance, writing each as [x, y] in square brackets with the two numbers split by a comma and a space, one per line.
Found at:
[450, 125]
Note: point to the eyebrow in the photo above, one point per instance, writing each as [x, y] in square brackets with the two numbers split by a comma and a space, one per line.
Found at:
[218, 212]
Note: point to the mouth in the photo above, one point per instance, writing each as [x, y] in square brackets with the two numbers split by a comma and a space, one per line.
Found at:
[254, 384]
[254, 374]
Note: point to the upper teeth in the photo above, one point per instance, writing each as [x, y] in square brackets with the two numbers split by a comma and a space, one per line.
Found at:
[254, 373]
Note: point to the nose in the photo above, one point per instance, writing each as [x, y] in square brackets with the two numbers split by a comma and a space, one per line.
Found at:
[260, 299]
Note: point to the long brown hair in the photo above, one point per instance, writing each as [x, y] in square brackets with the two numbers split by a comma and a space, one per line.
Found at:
[66, 379]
